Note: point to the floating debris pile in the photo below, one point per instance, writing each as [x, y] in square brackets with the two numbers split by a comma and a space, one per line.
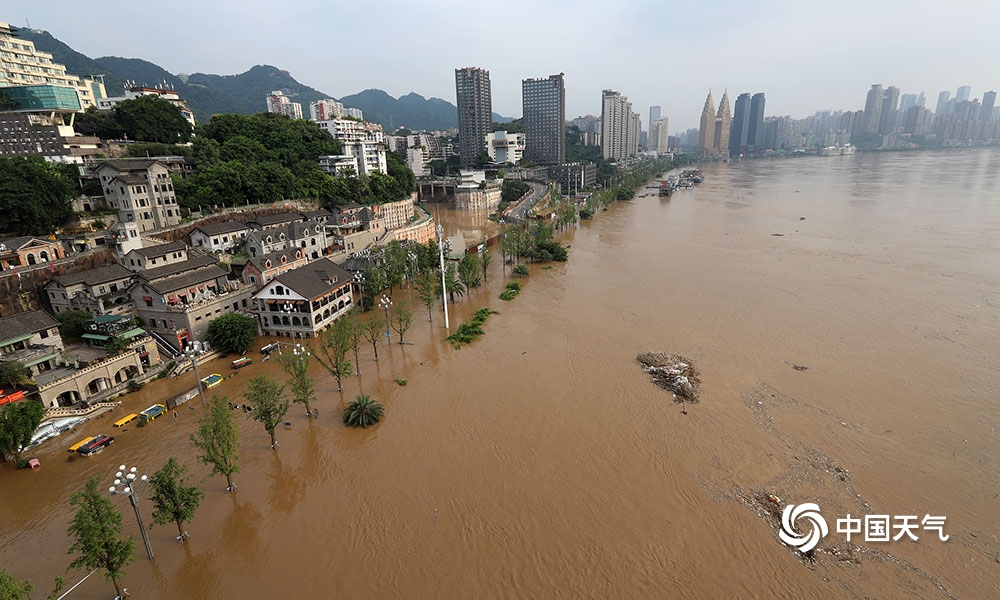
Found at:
[672, 372]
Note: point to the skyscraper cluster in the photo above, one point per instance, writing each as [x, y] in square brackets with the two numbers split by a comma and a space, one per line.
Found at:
[746, 137]
[620, 126]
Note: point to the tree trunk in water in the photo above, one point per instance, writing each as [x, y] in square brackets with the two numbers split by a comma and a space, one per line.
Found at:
[309, 411]
[229, 482]
[180, 531]
[118, 587]
[273, 441]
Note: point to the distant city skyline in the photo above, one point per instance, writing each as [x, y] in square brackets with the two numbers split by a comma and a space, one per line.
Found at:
[805, 58]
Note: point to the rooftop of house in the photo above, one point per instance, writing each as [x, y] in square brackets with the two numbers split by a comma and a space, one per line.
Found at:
[160, 250]
[314, 279]
[274, 220]
[24, 323]
[192, 263]
[182, 281]
[220, 228]
[112, 272]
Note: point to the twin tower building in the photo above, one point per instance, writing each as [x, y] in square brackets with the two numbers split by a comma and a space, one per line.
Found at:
[723, 134]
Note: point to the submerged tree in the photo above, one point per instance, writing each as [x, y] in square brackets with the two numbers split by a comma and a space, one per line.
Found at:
[18, 421]
[374, 332]
[232, 332]
[468, 271]
[295, 364]
[400, 321]
[485, 258]
[334, 344]
[97, 529]
[357, 333]
[427, 290]
[174, 502]
[363, 412]
[267, 397]
[12, 588]
[219, 440]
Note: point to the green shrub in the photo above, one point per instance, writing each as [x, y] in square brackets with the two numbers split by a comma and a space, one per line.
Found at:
[508, 295]
[400, 382]
[521, 271]
[22, 464]
[363, 412]
[468, 331]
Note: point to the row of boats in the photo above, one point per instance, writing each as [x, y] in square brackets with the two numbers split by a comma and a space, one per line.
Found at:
[687, 179]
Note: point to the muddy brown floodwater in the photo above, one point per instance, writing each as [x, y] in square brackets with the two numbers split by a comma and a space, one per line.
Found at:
[540, 462]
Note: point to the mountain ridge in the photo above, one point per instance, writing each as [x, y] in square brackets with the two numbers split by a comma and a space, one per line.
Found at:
[244, 93]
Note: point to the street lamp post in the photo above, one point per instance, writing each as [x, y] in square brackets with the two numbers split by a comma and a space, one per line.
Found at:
[359, 278]
[127, 480]
[288, 309]
[385, 302]
[193, 351]
[411, 258]
[444, 291]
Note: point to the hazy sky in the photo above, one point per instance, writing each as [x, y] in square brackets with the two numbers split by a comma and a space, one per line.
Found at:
[804, 55]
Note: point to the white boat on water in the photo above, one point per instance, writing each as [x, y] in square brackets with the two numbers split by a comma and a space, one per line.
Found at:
[50, 429]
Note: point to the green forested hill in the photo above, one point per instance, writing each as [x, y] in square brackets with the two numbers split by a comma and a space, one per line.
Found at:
[244, 93]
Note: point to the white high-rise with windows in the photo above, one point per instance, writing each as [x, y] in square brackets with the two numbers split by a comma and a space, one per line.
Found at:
[325, 110]
[619, 126]
[278, 102]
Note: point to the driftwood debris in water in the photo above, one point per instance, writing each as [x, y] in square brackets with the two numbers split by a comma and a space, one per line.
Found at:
[672, 372]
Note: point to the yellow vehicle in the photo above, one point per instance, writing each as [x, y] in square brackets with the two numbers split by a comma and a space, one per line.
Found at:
[152, 412]
[126, 420]
[77, 445]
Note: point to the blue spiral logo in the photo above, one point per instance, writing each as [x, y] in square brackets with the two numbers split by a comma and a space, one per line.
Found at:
[804, 542]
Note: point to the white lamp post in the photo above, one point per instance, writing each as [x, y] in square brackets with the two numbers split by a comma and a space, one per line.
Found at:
[126, 481]
[359, 278]
[385, 302]
[193, 351]
[288, 309]
[444, 291]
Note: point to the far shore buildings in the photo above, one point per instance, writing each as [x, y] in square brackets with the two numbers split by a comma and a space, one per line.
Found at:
[278, 102]
[475, 112]
[543, 104]
[713, 132]
[505, 148]
[362, 148]
[620, 127]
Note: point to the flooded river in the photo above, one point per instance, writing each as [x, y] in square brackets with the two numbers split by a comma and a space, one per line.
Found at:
[540, 462]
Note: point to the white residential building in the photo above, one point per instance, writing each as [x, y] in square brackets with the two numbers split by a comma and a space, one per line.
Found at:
[141, 191]
[354, 112]
[278, 102]
[362, 146]
[505, 147]
[304, 301]
[138, 91]
[325, 110]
